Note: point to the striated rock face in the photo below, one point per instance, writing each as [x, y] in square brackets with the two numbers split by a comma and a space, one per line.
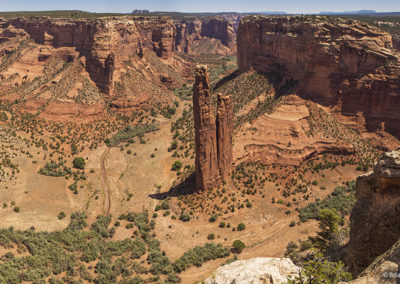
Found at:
[224, 135]
[207, 173]
[256, 271]
[396, 43]
[375, 218]
[219, 29]
[107, 42]
[104, 42]
[337, 62]
[213, 136]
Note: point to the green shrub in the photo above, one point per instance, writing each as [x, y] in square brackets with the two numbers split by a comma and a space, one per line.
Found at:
[79, 163]
[213, 218]
[241, 227]
[238, 246]
[177, 165]
[61, 215]
[3, 117]
[184, 217]
[320, 270]
[211, 236]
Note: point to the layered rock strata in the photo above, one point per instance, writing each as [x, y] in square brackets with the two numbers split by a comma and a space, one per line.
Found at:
[375, 218]
[213, 135]
[396, 43]
[107, 42]
[336, 62]
[224, 134]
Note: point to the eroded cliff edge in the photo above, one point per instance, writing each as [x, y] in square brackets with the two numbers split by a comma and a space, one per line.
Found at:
[375, 217]
[336, 62]
[107, 42]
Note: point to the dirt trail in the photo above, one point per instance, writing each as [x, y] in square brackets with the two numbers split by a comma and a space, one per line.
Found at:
[104, 183]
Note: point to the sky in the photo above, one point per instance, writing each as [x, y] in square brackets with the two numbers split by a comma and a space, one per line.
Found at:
[126, 6]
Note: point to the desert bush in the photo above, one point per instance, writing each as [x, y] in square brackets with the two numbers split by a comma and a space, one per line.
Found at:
[79, 163]
[238, 246]
[177, 165]
[241, 227]
[61, 215]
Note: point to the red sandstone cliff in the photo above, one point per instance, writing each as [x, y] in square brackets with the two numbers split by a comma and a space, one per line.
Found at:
[213, 136]
[85, 65]
[219, 29]
[337, 62]
[107, 42]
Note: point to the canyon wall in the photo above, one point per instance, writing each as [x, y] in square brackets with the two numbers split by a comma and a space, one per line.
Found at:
[336, 62]
[107, 42]
[219, 29]
[396, 43]
[213, 135]
[375, 218]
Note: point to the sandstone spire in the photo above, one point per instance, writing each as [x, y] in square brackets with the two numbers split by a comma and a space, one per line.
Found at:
[224, 135]
[213, 137]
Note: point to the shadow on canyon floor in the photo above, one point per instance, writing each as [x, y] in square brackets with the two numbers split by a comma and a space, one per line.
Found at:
[186, 187]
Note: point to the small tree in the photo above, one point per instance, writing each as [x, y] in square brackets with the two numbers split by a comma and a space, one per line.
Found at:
[329, 222]
[79, 163]
[238, 246]
[320, 270]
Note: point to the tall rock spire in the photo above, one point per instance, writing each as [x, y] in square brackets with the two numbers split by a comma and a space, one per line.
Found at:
[213, 137]
[205, 131]
[224, 135]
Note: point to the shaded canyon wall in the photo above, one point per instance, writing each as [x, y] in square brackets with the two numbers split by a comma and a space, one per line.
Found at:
[337, 62]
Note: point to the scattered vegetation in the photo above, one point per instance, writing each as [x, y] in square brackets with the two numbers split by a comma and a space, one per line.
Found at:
[342, 200]
[130, 132]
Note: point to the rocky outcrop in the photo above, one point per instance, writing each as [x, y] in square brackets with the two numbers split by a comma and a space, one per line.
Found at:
[336, 62]
[375, 217]
[396, 43]
[384, 269]
[213, 136]
[256, 271]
